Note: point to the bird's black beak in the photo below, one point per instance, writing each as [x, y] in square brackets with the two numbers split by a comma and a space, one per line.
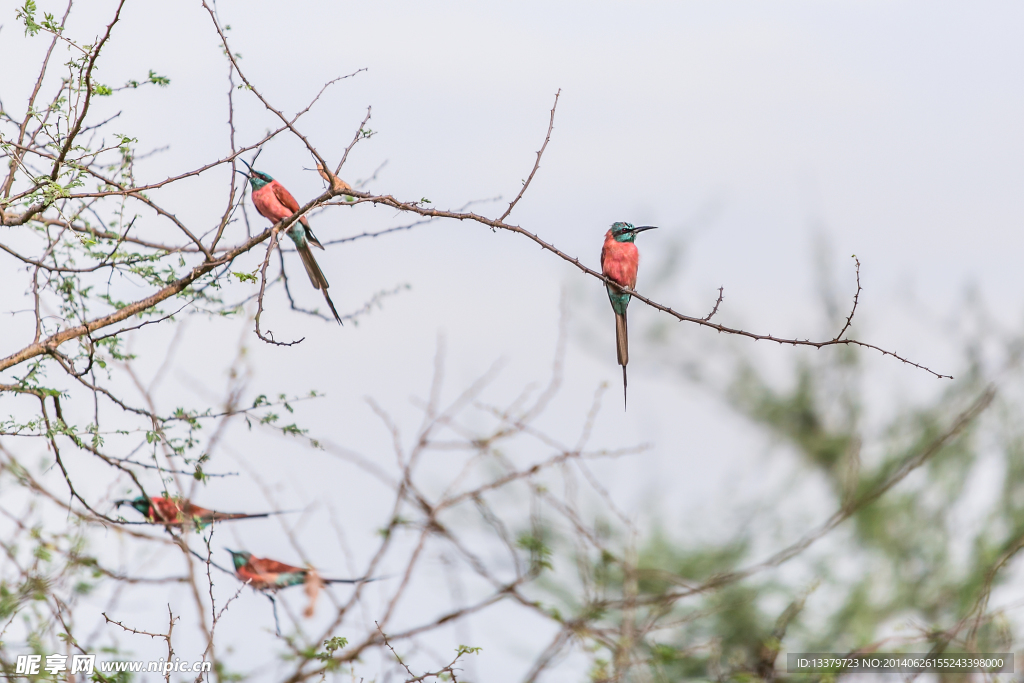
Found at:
[644, 227]
[247, 163]
[244, 174]
[119, 503]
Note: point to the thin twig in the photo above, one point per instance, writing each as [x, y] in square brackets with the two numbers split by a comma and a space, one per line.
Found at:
[856, 296]
[721, 295]
[536, 165]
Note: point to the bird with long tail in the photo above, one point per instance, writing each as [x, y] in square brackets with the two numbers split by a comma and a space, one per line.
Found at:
[273, 201]
[180, 512]
[270, 576]
[619, 262]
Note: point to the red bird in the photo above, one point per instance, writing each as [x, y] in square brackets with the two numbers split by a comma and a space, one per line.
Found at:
[171, 511]
[619, 262]
[270, 576]
[273, 201]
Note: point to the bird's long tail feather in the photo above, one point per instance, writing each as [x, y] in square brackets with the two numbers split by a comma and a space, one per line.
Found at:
[623, 387]
[221, 516]
[622, 347]
[333, 309]
[621, 340]
[316, 277]
[365, 579]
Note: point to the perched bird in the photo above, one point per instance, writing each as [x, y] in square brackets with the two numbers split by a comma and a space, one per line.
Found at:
[273, 201]
[269, 576]
[337, 184]
[179, 512]
[619, 262]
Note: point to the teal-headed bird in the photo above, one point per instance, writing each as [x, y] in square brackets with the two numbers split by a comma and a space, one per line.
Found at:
[269, 576]
[620, 260]
[273, 201]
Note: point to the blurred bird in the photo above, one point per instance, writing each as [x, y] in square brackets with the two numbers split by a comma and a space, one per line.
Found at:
[179, 512]
[273, 201]
[269, 576]
[619, 262]
[337, 184]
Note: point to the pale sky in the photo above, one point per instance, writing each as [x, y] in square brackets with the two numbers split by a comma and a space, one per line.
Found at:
[741, 128]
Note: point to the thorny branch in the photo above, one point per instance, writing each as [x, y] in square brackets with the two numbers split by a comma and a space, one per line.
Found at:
[856, 297]
[444, 673]
[263, 288]
[412, 207]
[718, 302]
[56, 233]
[540, 153]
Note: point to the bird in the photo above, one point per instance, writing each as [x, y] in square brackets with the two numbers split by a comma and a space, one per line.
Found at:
[619, 262]
[337, 184]
[178, 512]
[269, 576]
[273, 201]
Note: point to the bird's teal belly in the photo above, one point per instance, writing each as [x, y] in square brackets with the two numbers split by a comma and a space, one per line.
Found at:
[297, 232]
[619, 300]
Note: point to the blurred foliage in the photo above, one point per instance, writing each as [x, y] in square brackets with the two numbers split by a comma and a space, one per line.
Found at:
[907, 560]
[926, 528]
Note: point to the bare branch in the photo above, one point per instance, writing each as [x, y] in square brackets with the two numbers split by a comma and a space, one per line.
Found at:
[540, 153]
[721, 295]
[413, 207]
[856, 296]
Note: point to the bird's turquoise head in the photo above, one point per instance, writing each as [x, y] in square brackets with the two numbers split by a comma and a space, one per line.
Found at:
[625, 232]
[239, 557]
[257, 178]
[140, 504]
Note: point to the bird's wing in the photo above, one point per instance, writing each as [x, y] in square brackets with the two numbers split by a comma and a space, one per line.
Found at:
[286, 198]
[632, 264]
[166, 509]
[191, 511]
[311, 237]
[264, 566]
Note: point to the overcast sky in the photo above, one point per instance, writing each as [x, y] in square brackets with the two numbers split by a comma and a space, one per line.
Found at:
[743, 129]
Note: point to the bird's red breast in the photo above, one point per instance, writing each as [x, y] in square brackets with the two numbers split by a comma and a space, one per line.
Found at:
[273, 201]
[620, 261]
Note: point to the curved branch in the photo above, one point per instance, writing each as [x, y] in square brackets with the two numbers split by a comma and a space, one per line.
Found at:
[540, 153]
[412, 207]
[856, 297]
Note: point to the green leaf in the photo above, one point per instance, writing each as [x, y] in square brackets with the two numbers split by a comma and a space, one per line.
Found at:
[330, 647]
[162, 81]
[27, 13]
